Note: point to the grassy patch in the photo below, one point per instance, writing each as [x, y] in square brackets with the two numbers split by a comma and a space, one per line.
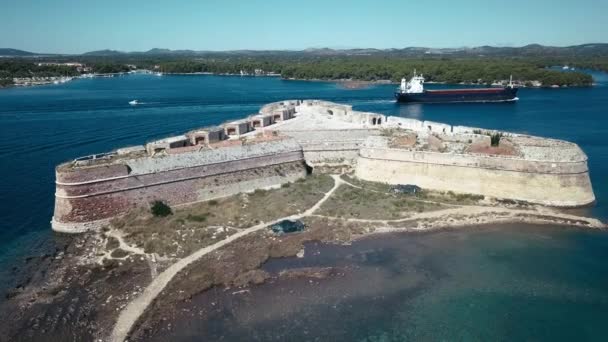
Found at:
[446, 197]
[375, 186]
[195, 226]
[450, 197]
[350, 202]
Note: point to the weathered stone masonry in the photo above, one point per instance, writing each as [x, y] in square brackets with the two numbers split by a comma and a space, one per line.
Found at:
[99, 192]
[285, 138]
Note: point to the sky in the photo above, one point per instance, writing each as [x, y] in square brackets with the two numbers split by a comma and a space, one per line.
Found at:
[69, 26]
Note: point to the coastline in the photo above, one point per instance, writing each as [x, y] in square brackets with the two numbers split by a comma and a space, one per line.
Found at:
[362, 84]
[351, 84]
[109, 281]
[111, 269]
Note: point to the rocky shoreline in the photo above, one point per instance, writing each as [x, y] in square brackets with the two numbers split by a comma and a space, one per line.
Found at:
[66, 295]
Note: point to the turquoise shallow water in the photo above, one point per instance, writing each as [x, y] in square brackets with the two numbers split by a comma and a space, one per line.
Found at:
[486, 283]
[43, 126]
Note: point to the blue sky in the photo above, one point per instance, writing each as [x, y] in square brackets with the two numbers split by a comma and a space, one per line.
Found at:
[69, 26]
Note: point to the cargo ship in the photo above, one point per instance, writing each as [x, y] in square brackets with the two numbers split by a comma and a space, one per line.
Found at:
[413, 91]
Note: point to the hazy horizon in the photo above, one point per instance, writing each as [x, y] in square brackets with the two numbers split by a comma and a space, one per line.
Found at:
[71, 27]
[307, 48]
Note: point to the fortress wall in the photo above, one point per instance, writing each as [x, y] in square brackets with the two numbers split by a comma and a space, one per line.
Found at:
[90, 192]
[336, 152]
[333, 135]
[177, 179]
[317, 157]
[343, 113]
[211, 156]
[79, 212]
[465, 129]
[405, 123]
[271, 107]
[239, 182]
[437, 127]
[181, 174]
[320, 107]
[565, 184]
[331, 146]
[477, 161]
[65, 174]
[465, 138]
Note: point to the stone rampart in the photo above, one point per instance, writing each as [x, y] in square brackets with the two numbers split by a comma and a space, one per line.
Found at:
[97, 193]
[295, 135]
[547, 182]
[331, 147]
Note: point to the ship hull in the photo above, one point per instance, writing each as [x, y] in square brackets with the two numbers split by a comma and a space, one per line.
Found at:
[459, 95]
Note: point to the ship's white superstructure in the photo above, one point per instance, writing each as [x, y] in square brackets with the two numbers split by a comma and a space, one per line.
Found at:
[414, 86]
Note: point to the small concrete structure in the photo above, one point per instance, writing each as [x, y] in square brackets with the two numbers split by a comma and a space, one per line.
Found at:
[206, 136]
[237, 128]
[261, 120]
[375, 120]
[166, 144]
[281, 115]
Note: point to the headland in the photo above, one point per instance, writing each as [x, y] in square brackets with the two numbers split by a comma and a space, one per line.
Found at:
[287, 140]
[341, 174]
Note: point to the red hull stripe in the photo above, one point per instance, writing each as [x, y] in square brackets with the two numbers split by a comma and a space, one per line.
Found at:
[467, 91]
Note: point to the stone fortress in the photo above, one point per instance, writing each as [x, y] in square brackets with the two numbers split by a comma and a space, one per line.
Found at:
[287, 140]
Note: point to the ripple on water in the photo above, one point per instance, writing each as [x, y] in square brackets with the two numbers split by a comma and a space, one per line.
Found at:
[505, 282]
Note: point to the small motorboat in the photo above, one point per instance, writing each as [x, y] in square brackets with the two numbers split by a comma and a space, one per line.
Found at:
[133, 103]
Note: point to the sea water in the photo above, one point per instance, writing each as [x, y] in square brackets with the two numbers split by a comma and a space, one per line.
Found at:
[43, 126]
[506, 282]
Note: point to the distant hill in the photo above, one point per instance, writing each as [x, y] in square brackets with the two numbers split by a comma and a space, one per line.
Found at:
[5, 52]
[584, 50]
[531, 50]
[105, 52]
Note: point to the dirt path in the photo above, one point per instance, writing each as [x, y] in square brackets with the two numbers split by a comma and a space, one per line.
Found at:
[131, 313]
[442, 217]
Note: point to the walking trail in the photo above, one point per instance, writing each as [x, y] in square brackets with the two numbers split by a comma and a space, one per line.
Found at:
[134, 309]
[131, 313]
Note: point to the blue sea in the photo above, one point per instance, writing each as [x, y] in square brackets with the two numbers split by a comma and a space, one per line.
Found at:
[43, 126]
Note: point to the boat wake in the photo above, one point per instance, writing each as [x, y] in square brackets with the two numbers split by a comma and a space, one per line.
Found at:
[364, 102]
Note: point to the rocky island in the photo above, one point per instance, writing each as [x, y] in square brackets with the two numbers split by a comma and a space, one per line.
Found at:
[342, 174]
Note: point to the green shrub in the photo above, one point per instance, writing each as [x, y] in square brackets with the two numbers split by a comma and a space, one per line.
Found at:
[495, 139]
[197, 218]
[160, 209]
